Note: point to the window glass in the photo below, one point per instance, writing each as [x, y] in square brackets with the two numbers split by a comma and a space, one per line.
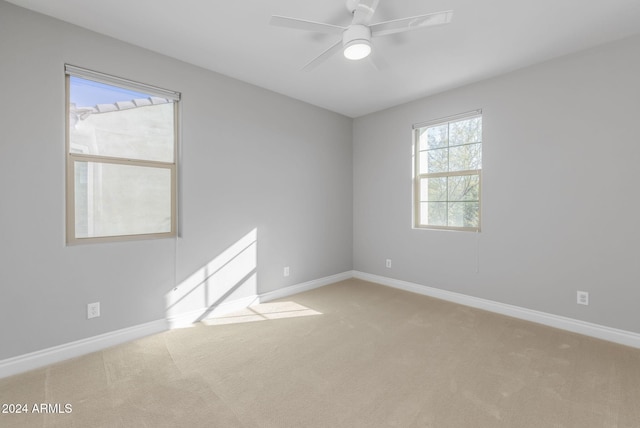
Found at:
[448, 166]
[128, 200]
[114, 122]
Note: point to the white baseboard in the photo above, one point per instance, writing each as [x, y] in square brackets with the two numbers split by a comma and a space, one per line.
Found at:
[305, 286]
[45, 357]
[622, 337]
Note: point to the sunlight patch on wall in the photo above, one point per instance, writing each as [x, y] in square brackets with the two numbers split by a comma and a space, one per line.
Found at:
[229, 278]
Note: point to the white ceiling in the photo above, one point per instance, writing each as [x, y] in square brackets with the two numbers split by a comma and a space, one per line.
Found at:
[485, 38]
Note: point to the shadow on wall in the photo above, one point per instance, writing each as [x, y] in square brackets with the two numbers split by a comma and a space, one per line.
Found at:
[227, 282]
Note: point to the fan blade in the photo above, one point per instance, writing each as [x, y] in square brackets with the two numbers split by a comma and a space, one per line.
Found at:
[323, 56]
[411, 23]
[301, 24]
[364, 12]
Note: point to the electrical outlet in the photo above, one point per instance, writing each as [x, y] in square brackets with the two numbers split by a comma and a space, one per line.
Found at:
[583, 298]
[93, 310]
[388, 263]
[286, 271]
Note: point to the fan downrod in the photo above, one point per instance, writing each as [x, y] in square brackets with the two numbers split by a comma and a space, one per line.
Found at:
[352, 5]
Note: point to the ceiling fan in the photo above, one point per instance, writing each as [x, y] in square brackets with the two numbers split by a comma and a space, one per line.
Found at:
[356, 38]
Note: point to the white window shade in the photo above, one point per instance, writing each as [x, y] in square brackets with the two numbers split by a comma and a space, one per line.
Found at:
[122, 83]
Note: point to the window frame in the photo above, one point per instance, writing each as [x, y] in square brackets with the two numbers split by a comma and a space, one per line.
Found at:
[418, 177]
[72, 158]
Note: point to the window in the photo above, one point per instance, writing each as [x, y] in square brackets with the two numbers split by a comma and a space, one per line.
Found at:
[121, 158]
[448, 164]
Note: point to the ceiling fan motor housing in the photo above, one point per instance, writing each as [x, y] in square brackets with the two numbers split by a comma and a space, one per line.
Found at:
[356, 33]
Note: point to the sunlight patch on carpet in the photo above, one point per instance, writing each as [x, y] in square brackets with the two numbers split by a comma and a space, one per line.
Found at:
[263, 312]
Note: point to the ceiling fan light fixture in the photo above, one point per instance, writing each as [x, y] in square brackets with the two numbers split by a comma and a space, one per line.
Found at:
[356, 42]
[357, 49]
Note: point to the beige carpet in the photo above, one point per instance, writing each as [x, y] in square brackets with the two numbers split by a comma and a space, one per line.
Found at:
[353, 354]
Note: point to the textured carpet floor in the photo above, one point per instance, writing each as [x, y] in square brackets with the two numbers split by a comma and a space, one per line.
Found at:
[352, 354]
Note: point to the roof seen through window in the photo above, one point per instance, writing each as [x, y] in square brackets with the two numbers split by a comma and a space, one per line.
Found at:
[87, 93]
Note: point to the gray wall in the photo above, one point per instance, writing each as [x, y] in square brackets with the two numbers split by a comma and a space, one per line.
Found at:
[559, 194]
[561, 153]
[251, 159]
